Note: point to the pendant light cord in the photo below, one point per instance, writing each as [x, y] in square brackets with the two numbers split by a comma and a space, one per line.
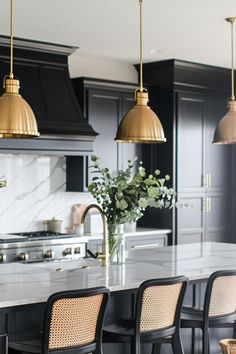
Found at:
[141, 45]
[232, 61]
[11, 75]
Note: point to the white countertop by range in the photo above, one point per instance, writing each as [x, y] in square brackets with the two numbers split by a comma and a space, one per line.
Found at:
[22, 284]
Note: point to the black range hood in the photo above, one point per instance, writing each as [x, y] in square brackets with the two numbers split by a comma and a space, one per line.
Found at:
[42, 69]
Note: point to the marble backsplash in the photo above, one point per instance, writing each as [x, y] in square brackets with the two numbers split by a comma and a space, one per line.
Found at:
[35, 192]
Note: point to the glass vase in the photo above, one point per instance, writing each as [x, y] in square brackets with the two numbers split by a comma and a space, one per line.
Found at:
[116, 243]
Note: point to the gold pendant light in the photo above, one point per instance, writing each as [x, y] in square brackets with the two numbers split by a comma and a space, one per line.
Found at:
[17, 119]
[140, 124]
[225, 132]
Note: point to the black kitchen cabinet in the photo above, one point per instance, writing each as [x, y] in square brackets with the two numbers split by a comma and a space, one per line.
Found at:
[104, 103]
[190, 99]
[204, 174]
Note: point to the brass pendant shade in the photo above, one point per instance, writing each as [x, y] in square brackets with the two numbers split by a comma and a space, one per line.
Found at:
[17, 119]
[225, 132]
[140, 124]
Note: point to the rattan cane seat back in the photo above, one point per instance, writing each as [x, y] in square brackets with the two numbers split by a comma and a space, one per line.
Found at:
[159, 307]
[73, 321]
[218, 309]
[156, 316]
[223, 296]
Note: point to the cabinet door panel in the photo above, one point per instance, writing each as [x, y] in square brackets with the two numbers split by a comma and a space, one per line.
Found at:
[190, 219]
[127, 151]
[103, 113]
[219, 218]
[190, 144]
[219, 158]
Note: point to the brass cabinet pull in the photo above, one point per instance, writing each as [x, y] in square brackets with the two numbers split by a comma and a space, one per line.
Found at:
[206, 208]
[208, 205]
[209, 180]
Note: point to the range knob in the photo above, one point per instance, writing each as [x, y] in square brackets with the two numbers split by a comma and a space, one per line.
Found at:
[23, 256]
[49, 254]
[77, 250]
[67, 251]
[3, 257]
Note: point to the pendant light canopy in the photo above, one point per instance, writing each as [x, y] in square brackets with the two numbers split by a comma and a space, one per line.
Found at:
[225, 132]
[17, 119]
[140, 124]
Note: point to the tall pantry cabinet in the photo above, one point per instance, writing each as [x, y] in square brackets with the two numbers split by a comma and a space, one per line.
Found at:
[190, 99]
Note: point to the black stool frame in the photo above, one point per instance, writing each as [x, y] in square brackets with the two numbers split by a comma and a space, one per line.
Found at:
[166, 335]
[95, 347]
[195, 318]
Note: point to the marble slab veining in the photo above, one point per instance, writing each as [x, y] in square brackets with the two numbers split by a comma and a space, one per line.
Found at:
[22, 284]
[35, 192]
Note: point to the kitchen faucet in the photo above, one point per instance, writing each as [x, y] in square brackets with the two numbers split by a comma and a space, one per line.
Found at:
[104, 256]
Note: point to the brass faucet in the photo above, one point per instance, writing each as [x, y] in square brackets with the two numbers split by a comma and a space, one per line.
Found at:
[104, 256]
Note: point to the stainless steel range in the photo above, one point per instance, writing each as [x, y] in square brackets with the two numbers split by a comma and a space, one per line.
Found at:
[40, 246]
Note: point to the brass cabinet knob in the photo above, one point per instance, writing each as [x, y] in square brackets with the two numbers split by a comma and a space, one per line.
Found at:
[77, 250]
[23, 256]
[67, 251]
[3, 257]
[49, 254]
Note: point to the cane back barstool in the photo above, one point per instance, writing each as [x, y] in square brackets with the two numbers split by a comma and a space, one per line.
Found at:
[219, 308]
[156, 319]
[73, 323]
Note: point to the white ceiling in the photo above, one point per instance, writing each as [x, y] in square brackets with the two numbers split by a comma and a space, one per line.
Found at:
[192, 30]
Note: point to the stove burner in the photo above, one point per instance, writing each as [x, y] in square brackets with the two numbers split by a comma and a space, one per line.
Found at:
[39, 234]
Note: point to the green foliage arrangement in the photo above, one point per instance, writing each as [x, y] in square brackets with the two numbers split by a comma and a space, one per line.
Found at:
[123, 197]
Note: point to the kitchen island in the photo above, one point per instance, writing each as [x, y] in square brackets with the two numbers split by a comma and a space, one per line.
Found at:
[30, 283]
[27, 285]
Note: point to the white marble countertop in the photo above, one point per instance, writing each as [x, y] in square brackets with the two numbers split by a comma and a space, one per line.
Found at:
[22, 284]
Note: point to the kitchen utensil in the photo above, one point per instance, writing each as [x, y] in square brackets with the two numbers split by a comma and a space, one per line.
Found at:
[53, 225]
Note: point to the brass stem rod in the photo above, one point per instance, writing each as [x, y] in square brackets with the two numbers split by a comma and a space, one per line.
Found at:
[232, 61]
[11, 40]
[141, 45]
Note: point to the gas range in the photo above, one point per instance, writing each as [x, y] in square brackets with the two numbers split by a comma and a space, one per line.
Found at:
[39, 235]
[38, 246]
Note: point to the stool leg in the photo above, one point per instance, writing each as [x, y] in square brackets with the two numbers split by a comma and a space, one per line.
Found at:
[132, 345]
[135, 347]
[177, 344]
[156, 348]
[234, 333]
[205, 341]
